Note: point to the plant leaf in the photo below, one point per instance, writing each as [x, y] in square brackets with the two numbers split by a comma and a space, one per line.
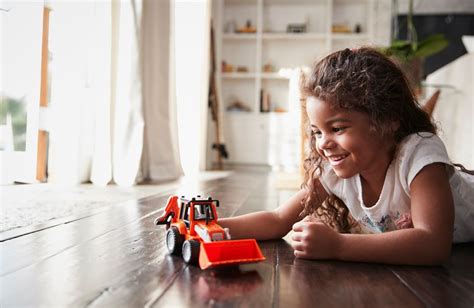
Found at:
[431, 45]
[399, 44]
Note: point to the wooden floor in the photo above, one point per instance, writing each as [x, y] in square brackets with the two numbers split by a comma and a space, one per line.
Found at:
[117, 258]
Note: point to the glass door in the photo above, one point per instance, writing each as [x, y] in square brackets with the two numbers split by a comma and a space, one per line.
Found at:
[21, 25]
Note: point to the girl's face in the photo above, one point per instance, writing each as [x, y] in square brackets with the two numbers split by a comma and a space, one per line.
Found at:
[347, 140]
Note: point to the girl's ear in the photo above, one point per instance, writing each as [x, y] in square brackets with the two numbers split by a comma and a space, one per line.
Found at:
[394, 126]
[392, 129]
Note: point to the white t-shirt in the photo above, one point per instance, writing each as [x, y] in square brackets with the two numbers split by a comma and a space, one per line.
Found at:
[392, 210]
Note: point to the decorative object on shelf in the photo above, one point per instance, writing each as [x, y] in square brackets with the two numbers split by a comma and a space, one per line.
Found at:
[296, 28]
[340, 28]
[280, 110]
[264, 101]
[410, 53]
[238, 106]
[227, 68]
[358, 28]
[268, 68]
[242, 69]
[248, 28]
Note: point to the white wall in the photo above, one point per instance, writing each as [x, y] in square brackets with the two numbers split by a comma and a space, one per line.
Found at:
[437, 6]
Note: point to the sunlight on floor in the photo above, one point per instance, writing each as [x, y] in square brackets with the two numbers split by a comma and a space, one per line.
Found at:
[33, 204]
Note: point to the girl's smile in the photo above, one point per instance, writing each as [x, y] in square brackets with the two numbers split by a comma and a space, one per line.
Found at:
[336, 160]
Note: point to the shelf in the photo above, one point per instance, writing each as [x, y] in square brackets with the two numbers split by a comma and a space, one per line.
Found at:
[237, 75]
[254, 75]
[238, 36]
[293, 36]
[274, 76]
[236, 113]
[256, 114]
[350, 36]
[283, 54]
[276, 36]
[240, 2]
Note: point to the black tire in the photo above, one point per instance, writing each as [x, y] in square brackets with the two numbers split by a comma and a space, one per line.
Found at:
[191, 251]
[174, 241]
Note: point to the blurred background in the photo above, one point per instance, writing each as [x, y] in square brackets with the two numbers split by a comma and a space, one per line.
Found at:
[136, 91]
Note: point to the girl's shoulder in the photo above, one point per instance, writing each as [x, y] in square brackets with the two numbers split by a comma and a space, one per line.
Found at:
[417, 151]
[420, 138]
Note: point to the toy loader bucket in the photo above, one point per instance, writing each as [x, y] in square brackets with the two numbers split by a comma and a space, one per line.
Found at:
[229, 252]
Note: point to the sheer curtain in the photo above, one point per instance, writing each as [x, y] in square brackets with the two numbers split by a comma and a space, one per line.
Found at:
[192, 51]
[160, 159]
[112, 112]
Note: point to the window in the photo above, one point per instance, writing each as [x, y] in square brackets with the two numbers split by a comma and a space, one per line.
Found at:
[20, 79]
[201, 211]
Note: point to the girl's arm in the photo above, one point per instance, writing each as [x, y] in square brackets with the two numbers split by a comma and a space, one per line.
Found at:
[427, 243]
[266, 225]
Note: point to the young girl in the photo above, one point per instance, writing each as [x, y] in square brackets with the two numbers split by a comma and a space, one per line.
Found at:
[379, 185]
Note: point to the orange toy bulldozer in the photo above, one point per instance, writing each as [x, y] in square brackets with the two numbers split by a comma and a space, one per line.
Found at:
[193, 232]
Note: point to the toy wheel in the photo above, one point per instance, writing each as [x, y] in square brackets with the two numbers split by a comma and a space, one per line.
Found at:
[191, 251]
[174, 240]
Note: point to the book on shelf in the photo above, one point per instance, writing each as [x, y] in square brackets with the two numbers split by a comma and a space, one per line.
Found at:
[264, 101]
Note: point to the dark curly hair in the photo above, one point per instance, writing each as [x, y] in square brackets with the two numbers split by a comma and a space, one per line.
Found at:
[361, 80]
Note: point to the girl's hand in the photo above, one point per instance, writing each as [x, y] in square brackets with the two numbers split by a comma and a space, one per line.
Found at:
[312, 239]
[404, 222]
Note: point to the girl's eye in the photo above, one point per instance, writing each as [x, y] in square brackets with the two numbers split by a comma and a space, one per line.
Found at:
[338, 129]
[317, 133]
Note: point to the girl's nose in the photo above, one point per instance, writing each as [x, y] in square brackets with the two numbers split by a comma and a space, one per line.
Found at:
[325, 142]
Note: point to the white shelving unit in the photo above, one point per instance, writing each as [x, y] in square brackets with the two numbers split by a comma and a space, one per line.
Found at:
[256, 137]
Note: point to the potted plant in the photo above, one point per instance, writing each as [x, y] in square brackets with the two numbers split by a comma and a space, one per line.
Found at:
[410, 53]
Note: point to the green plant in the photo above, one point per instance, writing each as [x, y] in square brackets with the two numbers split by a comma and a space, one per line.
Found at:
[406, 50]
[16, 108]
[411, 48]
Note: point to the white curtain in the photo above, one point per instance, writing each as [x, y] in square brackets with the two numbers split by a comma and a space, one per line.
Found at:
[161, 152]
[112, 113]
[192, 58]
